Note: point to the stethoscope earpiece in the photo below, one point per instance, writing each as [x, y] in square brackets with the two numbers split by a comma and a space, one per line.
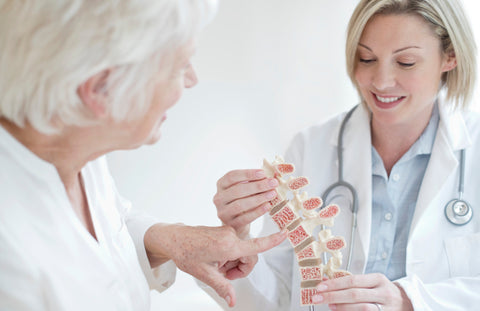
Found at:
[458, 212]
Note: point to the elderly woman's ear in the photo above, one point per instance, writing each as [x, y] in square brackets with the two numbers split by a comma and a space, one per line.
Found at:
[93, 93]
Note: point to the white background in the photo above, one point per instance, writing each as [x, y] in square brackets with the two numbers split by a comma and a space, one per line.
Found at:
[267, 69]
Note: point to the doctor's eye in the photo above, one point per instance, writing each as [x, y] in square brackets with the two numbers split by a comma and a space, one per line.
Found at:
[406, 65]
[366, 60]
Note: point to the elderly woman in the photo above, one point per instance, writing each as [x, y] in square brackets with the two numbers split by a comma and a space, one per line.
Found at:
[81, 78]
[408, 150]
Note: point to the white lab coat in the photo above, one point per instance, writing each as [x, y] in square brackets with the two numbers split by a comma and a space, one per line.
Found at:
[443, 260]
[49, 261]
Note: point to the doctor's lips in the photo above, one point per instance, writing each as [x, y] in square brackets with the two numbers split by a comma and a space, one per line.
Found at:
[386, 102]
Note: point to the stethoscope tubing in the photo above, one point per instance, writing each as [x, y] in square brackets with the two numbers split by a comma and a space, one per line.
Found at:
[342, 183]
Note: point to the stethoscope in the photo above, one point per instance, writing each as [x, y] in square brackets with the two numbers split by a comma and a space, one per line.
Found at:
[457, 211]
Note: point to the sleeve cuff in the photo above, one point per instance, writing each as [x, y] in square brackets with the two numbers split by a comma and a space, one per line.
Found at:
[161, 277]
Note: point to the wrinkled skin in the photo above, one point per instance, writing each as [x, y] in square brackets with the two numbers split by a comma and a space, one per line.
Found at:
[213, 255]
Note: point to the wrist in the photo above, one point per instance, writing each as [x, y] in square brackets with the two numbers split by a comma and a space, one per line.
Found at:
[160, 242]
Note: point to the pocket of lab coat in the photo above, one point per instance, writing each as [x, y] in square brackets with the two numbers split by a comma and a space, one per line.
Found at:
[463, 254]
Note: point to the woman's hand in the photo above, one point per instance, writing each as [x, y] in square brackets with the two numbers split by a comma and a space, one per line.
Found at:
[362, 292]
[213, 255]
[242, 196]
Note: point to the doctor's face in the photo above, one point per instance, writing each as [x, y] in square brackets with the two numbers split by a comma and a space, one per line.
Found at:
[399, 68]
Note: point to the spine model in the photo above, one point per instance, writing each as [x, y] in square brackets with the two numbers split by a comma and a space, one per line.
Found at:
[301, 215]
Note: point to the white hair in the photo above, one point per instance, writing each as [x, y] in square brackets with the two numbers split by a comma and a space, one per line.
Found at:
[50, 47]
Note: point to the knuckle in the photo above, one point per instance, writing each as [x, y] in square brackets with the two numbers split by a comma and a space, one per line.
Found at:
[221, 215]
[355, 294]
[251, 175]
[236, 192]
[230, 177]
[236, 206]
[352, 281]
[261, 186]
[239, 222]
[245, 220]
[217, 199]
[379, 276]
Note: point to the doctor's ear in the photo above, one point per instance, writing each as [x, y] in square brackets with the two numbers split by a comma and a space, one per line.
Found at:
[450, 61]
[93, 93]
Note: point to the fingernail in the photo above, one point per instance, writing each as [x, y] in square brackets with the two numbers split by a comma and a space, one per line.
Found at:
[260, 174]
[317, 299]
[228, 300]
[273, 182]
[321, 287]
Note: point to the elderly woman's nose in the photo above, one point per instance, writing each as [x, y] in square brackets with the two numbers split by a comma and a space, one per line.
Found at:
[383, 77]
[191, 78]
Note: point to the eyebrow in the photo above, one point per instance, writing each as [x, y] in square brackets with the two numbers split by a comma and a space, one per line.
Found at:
[396, 51]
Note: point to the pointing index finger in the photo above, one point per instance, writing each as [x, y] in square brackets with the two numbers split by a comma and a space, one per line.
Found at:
[260, 245]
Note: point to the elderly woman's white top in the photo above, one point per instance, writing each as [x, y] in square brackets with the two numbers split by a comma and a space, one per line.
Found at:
[49, 261]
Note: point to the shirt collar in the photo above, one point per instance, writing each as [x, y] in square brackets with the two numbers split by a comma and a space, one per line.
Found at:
[424, 143]
[25, 158]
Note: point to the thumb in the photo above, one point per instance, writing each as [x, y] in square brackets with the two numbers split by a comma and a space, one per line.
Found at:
[220, 284]
[259, 245]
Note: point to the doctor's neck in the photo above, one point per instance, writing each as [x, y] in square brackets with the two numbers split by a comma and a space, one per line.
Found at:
[392, 140]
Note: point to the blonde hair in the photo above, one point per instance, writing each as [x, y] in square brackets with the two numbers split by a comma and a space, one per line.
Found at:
[49, 47]
[448, 21]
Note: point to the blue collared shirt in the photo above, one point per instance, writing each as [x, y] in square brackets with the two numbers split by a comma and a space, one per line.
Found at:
[393, 203]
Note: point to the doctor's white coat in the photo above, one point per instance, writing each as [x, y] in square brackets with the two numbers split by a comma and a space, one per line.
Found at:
[443, 260]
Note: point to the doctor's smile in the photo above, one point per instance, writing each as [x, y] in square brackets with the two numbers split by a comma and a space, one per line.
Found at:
[387, 102]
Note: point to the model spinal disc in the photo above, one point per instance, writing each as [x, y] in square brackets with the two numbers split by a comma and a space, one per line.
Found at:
[301, 215]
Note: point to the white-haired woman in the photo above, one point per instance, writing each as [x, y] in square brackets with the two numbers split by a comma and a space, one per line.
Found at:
[80, 78]
[404, 148]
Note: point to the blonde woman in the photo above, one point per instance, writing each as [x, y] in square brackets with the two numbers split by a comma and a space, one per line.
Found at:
[81, 78]
[413, 64]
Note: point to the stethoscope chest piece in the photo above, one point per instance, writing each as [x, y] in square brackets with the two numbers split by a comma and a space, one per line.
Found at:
[458, 212]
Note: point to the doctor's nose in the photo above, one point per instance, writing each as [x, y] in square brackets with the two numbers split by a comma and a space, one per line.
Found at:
[383, 78]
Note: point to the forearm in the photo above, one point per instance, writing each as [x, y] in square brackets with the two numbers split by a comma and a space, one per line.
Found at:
[160, 242]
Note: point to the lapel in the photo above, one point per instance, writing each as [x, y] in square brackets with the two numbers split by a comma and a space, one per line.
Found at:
[357, 171]
[452, 136]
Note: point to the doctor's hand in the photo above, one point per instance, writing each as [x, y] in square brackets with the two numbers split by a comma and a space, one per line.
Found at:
[242, 196]
[362, 292]
[213, 255]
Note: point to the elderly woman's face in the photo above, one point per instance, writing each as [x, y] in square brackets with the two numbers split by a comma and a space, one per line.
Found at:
[173, 78]
[399, 68]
